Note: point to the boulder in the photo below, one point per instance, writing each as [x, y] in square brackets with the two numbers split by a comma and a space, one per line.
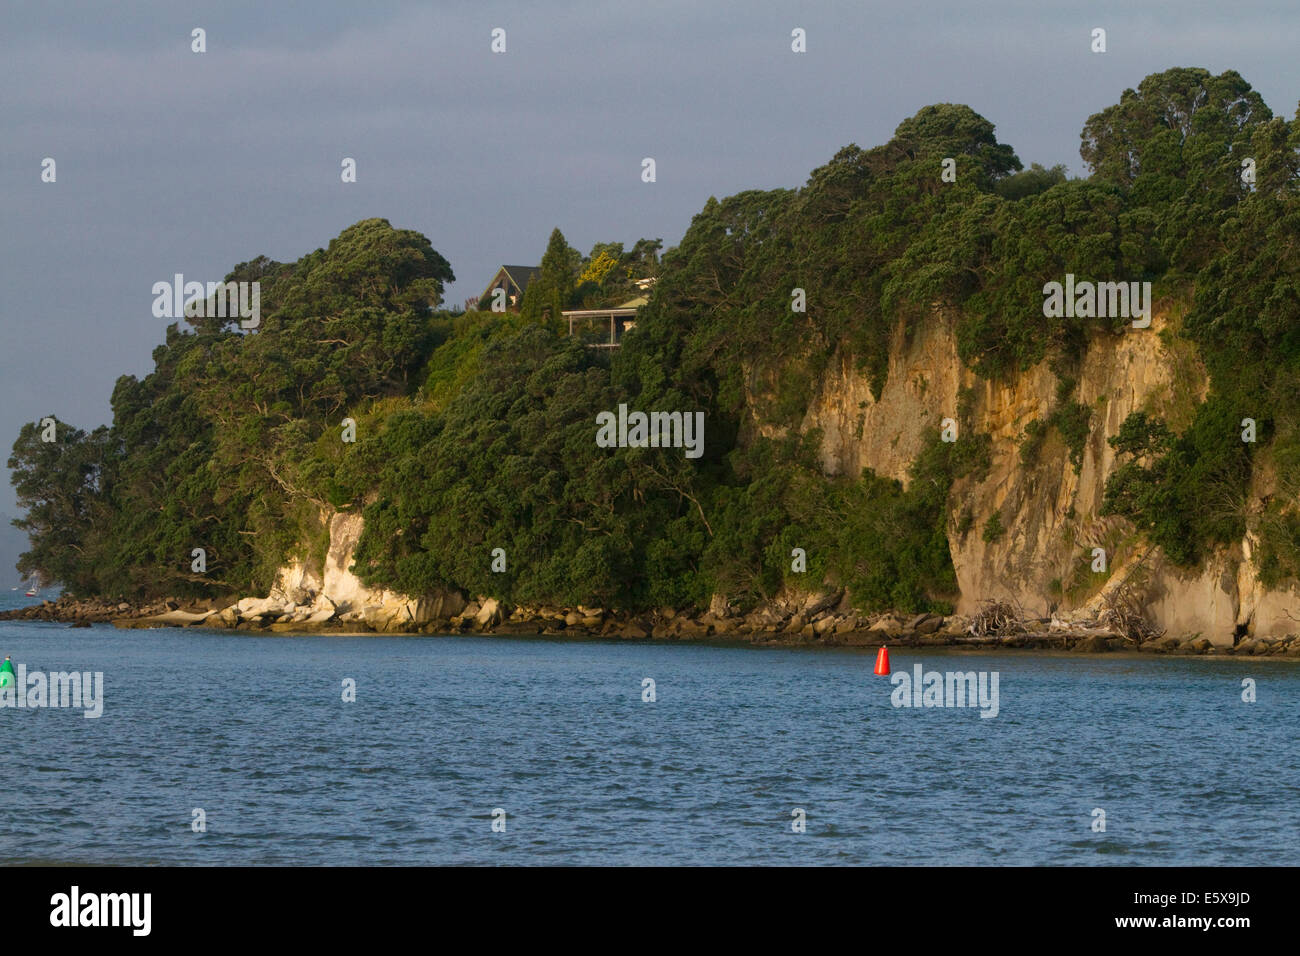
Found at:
[690, 629]
[718, 606]
[435, 606]
[387, 616]
[490, 614]
[816, 603]
[926, 623]
[251, 609]
[321, 610]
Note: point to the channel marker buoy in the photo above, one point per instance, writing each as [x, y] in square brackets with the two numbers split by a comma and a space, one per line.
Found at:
[882, 661]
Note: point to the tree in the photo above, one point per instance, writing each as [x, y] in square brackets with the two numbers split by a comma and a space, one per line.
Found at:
[59, 485]
[551, 290]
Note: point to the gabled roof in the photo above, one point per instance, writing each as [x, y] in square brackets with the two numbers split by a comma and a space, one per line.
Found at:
[517, 276]
[521, 275]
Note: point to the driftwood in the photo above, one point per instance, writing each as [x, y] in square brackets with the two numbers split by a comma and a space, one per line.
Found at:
[1124, 612]
[997, 619]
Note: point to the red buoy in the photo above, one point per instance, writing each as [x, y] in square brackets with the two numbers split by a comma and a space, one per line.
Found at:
[882, 661]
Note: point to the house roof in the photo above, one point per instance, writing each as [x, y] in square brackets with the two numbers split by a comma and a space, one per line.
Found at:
[521, 275]
[518, 276]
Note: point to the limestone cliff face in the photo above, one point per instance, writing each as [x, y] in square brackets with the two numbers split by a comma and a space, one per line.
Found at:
[305, 583]
[1043, 560]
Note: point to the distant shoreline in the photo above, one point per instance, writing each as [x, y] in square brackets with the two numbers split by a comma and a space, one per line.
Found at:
[766, 627]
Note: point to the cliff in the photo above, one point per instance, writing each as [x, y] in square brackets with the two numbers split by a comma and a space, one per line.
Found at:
[1052, 518]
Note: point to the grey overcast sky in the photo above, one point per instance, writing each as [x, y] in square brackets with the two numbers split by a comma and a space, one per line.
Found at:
[170, 161]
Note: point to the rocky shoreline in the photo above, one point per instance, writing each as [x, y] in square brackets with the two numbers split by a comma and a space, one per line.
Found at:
[812, 620]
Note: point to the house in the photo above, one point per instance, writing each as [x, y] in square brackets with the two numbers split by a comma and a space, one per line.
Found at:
[590, 324]
[513, 280]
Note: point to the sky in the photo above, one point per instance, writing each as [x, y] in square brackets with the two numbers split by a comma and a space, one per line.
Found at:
[170, 161]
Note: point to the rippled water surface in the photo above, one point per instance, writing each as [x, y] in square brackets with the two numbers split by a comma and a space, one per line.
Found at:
[254, 731]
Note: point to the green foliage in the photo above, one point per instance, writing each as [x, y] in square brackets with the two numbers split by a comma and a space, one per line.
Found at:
[551, 290]
[1186, 492]
[58, 484]
[993, 528]
[1031, 445]
[1030, 182]
[476, 430]
[1071, 420]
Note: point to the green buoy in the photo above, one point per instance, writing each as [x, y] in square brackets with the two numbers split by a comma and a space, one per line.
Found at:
[6, 674]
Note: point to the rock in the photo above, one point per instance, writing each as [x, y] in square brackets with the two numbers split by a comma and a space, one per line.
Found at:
[518, 627]
[167, 619]
[718, 606]
[591, 622]
[691, 629]
[434, 606]
[825, 626]
[489, 614]
[321, 610]
[389, 616]
[858, 639]
[250, 609]
[926, 623]
[572, 618]
[887, 625]
[820, 602]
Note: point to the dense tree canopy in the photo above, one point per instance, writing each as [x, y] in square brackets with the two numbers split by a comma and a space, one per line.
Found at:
[475, 431]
